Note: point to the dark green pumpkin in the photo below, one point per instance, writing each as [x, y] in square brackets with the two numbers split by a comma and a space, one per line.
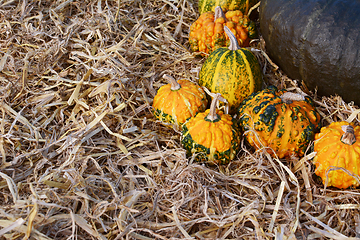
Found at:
[316, 41]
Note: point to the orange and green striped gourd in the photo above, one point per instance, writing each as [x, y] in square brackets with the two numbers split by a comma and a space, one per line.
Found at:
[177, 101]
[282, 122]
[233, 72]
[207, 32]
[337, 148]
[211, 136]
[242, 5]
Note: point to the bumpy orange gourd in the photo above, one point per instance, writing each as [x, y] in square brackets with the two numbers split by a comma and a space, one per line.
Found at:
[177, 101]
[284, 122]
[338, 146]
[207, 32]
[211, 135]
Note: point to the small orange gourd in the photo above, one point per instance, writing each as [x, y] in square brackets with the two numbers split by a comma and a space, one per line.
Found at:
[212, 135]
[177, 101]
[338, 154]
[207, 32]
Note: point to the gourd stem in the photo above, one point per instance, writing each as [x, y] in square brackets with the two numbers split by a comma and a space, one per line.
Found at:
[289, 97]
[349, 135]
[174, 84]
[212, 116]
[219, 13]
[234, 45]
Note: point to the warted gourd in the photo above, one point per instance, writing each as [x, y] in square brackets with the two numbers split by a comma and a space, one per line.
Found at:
[283, 122]
[207, 32]
[338, 146]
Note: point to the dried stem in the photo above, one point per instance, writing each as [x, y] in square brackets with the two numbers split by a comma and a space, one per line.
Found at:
[212, 116]
[289, 97]
[349, 135]
[234, 45]
[174, 84]
[219, 13]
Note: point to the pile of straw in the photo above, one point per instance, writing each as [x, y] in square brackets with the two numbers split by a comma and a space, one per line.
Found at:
[83, 158]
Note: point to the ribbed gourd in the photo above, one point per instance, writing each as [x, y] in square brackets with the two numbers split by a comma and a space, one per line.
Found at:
[211, 135]
[207, 32]
[232, 71]
[242, 5]
[177, 101]
[283, 122]
[338, 154]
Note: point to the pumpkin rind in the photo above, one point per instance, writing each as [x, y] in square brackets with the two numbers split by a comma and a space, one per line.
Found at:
[174, 107]
[332, 152]
[242, 5]
[315, 41]
[207, 33]
[214, 141]
[286, 128]
[235, 74]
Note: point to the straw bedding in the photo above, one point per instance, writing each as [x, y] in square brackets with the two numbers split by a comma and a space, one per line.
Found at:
[83, 158]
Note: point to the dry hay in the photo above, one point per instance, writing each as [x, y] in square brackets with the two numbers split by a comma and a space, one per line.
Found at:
[83, 158]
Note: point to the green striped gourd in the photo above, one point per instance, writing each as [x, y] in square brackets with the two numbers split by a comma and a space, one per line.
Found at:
[233, 72]
[242, 5]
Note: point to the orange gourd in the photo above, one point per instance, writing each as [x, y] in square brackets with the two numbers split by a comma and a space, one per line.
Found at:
[207, 32]
[211, 135]
[338, 154]
[177, 101]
